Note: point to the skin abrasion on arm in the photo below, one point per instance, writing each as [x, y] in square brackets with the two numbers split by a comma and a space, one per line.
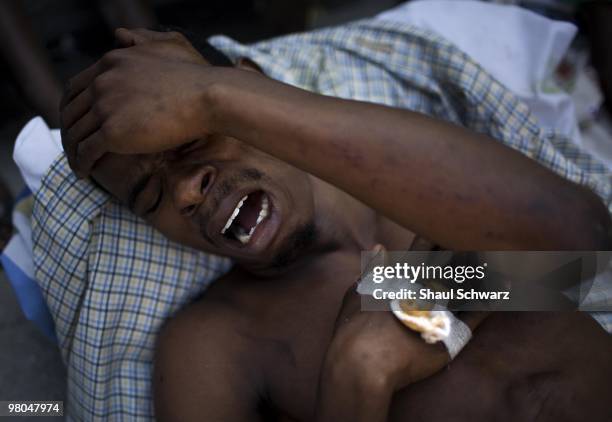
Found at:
[460, 189]
[457, 187]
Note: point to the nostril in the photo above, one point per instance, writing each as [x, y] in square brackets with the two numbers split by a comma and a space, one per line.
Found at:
[205, 182]
[188, 210]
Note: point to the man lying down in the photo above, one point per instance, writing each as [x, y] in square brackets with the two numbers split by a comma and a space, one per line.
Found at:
[293, 185]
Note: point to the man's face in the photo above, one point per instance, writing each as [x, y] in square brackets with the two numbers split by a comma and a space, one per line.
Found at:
[218, 195]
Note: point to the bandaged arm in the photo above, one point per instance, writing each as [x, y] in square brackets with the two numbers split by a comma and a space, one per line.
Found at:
[378, 356]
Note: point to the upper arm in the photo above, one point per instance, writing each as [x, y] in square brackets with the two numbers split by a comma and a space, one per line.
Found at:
[201, 371]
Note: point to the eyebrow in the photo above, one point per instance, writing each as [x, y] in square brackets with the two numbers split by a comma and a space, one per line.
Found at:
[139, 186]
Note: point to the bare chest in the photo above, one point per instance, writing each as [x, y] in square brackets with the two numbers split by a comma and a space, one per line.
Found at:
[294, 329]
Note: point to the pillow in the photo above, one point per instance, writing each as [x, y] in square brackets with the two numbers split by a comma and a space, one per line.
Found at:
[110, 281]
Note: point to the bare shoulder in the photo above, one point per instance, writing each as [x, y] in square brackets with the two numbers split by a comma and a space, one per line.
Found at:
[216, 320]
[204, 364]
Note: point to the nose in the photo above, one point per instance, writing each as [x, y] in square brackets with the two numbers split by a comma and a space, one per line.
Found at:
[190, 187]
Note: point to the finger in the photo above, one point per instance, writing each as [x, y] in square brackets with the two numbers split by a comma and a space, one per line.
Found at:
[88, 152]
[473, 318]
[377, 255]
[124, 37]
[158, 35]
[76, 108]
[70, 148]
[131, 37]
[351, 303]
[350, 294]
[72, 137]
[79, 82]
[84, 127]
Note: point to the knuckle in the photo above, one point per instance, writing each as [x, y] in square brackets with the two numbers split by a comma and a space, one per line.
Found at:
[357, 349]
[99, 83]
[364, 360]
[107, 58]
[101, 109]
[177, 36]
[108, 130]
[105, 130]
[97, 110]
[102, 83]
[111, 57]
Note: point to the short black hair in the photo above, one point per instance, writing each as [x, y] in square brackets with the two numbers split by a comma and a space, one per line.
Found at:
[212, 55]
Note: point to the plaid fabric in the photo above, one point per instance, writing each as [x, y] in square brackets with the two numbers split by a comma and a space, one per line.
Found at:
[408, 67]
[110, 280]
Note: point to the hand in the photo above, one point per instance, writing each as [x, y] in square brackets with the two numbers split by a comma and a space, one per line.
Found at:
[371, 356]
[382, 348]
[143, 98]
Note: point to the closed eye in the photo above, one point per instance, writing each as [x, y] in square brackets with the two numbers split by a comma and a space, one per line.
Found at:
[186, 147]
[157, 202]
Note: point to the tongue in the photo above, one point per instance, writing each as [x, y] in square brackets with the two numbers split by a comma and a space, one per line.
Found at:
[247, 218]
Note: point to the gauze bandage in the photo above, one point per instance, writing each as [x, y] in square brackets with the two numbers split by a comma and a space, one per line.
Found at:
[435, 325]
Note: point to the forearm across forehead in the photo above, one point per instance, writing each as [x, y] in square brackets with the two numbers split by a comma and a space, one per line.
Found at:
[443, 181]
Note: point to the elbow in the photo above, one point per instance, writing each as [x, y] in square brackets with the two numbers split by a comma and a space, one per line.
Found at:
[600, 228]
[587, 226]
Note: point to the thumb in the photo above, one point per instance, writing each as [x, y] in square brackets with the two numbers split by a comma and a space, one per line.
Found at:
[378, 256]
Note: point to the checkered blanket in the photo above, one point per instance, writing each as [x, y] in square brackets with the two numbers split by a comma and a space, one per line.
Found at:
[110, 280]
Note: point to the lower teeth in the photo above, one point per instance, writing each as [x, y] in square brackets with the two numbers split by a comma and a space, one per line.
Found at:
[244, 238]
[240, 233]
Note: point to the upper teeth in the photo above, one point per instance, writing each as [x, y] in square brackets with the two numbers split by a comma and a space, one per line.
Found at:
[239, 232]
[263, 212]
[230, 220]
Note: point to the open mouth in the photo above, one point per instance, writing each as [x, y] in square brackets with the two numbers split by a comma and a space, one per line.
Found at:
[250, 212]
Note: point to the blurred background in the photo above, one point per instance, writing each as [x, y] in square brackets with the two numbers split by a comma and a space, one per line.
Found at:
[45, 42]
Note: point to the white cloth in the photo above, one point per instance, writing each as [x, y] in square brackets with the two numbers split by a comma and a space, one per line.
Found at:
[519, 48]
[441, 325]
[36, 148]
